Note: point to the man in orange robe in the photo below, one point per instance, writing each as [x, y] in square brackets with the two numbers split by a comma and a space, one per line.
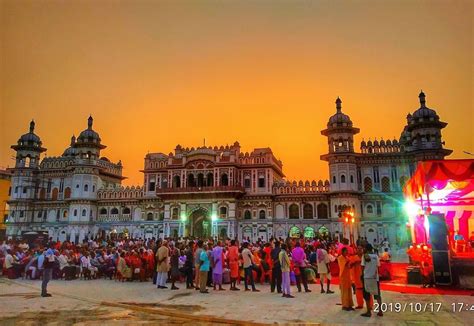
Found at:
[356, 274]
[345, 283]
[233, 257]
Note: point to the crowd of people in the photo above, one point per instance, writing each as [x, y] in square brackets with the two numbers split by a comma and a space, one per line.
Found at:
[201, 264]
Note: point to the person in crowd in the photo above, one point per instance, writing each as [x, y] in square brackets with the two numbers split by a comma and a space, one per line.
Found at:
[8, 264]
[204, 268]
[197, 263]
[174, 265]
[248, 264]
[299, 260]
[48, 264]
[276, 268]
[123, 271]
[370, 264]
[233, 259]
[385, 256]
[162, 268]
[323, 269]
[284, 265]
[217, 266]
[345, 283]
[188, 266]
[427, 274]
[356, 276]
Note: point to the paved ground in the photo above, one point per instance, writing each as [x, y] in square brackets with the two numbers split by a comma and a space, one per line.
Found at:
[109, 302]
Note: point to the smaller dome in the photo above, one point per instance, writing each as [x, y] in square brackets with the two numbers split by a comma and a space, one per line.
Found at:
[30, 138]
[339, 118]
[389, 142]
[382, 142]
[71, 151]
[376, 142]
[363, 143]
[369, 143]
[89, 135]
[424, 111]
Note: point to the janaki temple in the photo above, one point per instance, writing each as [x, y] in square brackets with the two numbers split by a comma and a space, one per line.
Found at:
[220, 191]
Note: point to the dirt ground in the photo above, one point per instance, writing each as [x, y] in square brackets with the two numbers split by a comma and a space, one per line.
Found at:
[105, 302]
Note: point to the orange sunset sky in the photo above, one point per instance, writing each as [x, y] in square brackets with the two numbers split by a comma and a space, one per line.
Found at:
[155, 74]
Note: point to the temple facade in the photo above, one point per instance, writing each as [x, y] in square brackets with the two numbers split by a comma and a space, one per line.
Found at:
[221, 191]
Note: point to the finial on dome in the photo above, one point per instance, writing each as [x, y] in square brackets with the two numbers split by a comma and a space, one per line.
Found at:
[73, 140]
[422, 97]
[90, 121]
[32, 126]
[338, 104]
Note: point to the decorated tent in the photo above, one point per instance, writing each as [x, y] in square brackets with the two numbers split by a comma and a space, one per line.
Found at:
[447, 187]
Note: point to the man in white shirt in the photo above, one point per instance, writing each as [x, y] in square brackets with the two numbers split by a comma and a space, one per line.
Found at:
[370, 264]
[248, 267]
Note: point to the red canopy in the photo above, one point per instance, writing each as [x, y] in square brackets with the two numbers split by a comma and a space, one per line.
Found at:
[431, 175]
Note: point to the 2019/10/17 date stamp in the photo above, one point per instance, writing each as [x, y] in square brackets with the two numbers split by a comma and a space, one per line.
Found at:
[421, 307]
[416, 307]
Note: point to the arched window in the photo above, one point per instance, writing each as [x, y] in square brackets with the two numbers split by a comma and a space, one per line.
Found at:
[151, 184]
[67, 193]
[367, 184]
[308, 211]
[322, 211]
[224, 180]
[200, 180]
[86, 187]
[54, 194]
[191, 180]
[369, 209]
[64, 214]
[84, 212]
[93, 188]
[114, 211]
[103, 211]
[333, 179]
[385, 184]
[352, 179]
[247, 182]
[210, 179]
[247, 215]
[294, 211]
[75, 212]
[126, 210]
[149, 216]
[176, 181]
[42, 193]
[262, 215]
[223, 212]
[343, 178]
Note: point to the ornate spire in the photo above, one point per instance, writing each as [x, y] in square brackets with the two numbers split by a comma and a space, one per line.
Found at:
[73, 140]
[422, 99]
[89, 122]
[338, 105]
[32, 126]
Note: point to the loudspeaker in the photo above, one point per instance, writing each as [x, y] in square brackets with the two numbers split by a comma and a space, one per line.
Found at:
[438, 232]
[440, 249]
